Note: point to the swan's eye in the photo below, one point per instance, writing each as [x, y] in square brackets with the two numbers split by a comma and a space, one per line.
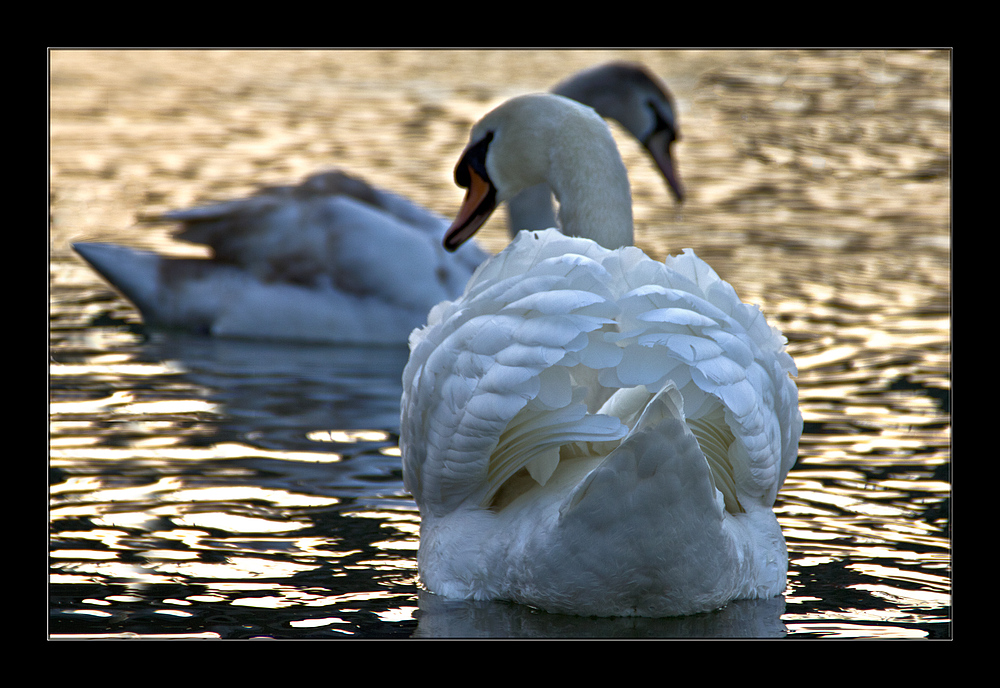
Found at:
[475, 159]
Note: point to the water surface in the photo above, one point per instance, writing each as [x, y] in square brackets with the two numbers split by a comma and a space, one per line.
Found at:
[226, 489]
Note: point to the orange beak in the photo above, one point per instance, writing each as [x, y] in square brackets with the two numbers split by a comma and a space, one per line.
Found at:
[480, 202]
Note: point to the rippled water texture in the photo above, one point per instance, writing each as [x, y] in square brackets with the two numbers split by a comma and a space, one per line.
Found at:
[228, 489]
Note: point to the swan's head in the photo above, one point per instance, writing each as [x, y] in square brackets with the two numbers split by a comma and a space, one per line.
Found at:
[635, 98]
[534, 139]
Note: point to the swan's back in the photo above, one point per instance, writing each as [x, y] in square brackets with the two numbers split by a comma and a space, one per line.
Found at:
[523, 365]
[334, 227]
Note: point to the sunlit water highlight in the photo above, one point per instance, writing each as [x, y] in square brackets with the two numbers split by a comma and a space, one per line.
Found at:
[204, 488]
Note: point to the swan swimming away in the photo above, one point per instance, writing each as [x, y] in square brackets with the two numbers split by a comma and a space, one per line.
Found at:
[336, 259]
[585, 429]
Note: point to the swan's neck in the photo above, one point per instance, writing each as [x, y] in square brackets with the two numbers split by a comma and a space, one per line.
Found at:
[549, 139]
[590, 182]
[532, 208]
[610, 90]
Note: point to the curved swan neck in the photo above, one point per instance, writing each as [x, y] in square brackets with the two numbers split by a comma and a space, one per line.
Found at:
[623, 91]
[532, 208]
[547, 138]
[590, 181]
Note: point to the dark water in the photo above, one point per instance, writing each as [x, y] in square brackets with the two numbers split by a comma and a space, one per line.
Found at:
[207, 488]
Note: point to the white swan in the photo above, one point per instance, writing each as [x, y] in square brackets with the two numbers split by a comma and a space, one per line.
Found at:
[338, 260]
[585, 429]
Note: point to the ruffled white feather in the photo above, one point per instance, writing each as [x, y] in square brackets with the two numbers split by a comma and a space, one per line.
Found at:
[566, 359]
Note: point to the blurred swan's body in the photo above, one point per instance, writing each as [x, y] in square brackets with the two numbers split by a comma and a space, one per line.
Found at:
[336, 259]
[585, 429]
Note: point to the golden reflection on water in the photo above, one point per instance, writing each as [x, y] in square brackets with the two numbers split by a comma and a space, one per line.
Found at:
[348, 436]
[856, 630]
[236, 477]
[222, 450]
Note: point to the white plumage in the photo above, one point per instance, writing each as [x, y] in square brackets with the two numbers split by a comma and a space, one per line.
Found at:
[585, 429]
[336, 259]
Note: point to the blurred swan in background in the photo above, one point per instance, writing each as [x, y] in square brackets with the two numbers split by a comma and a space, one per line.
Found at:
[336, 259]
